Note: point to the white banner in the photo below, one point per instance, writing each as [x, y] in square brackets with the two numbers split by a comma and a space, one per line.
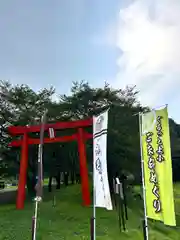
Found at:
[51, 133]
[100, 181]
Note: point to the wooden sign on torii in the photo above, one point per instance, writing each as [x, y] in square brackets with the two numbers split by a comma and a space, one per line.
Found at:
[81, 136]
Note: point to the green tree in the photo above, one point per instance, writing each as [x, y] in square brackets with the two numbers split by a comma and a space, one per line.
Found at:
[19, 105]
[123, 138]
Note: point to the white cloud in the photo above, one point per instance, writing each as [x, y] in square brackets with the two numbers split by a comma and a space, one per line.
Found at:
[149, 35]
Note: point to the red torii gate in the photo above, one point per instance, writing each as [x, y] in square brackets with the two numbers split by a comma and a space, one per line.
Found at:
[80, 136]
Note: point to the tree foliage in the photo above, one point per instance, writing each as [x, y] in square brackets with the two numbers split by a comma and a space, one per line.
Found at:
[20, 105]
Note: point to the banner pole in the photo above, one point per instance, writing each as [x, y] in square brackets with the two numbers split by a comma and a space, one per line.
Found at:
[94, 217]
[93, 222]
[145, 230]
[121, 208]
[39, 184]
[100, 173]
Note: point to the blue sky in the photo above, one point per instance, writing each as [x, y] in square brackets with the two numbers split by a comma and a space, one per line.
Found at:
[51, 42]
[55, 42]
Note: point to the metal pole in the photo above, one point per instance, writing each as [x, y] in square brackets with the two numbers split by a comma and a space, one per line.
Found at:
[146, 237]
[54, 196]
[119, 211]
[125, 199]
[121, 208]
[39, 185]
[35, 221]
[94, 207]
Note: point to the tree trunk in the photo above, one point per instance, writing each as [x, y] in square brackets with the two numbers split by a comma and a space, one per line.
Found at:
[31, 183]
[72, 177]
[78, 179]
[50, 184]
[66, 176]
[58, 180]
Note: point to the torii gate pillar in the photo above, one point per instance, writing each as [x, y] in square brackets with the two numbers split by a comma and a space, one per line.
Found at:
[21, 194]
[83, 167]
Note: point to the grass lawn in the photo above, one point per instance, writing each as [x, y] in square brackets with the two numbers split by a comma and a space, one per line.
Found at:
[69, 220]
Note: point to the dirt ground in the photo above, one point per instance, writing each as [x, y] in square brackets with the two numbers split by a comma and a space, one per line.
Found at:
[7, 196]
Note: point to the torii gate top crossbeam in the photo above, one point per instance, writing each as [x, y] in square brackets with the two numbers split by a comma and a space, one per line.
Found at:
[19, 130]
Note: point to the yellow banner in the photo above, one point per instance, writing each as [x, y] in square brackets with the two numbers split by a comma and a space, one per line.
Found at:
[158, 166]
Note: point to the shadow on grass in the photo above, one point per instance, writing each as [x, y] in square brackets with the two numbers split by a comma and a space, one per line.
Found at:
[71, 193]
[8, 197]
[68, 220]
